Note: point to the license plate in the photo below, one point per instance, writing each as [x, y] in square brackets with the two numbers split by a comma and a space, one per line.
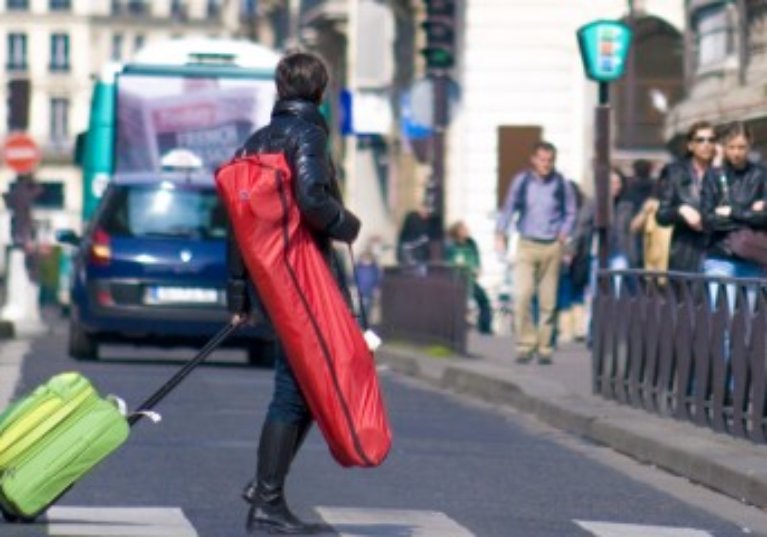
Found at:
[182, 295]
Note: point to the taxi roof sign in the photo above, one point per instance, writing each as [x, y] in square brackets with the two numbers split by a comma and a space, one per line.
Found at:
[604, 48]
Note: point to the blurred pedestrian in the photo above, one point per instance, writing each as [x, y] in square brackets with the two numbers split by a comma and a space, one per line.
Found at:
[639, 190]
[544, 205]
[19, 200]
[299, 131]
[419, 228]
[575, 272]
[620, 239]
[462, 251]
[680, 186]
[656, 239]
[368, 276]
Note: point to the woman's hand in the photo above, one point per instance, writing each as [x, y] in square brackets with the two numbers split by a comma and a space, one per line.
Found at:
[758, 206]
[238, 319]
[692, 217]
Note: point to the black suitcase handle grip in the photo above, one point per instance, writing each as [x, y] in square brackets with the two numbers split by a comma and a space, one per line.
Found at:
[182, 373]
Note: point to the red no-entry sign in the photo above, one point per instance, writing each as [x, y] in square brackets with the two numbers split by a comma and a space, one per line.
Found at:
[21, 153]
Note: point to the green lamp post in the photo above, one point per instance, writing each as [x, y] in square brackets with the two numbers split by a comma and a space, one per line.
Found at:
[604, 47]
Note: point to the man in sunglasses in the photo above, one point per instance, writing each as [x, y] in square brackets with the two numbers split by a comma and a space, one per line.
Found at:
[680, 189]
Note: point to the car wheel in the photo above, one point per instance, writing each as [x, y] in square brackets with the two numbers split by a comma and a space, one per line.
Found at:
[81, 345]
[263, 353]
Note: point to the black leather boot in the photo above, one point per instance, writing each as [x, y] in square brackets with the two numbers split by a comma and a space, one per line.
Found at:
[269, 511]
[249, 492]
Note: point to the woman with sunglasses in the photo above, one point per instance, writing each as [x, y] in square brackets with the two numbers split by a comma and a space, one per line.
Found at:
[680, 187]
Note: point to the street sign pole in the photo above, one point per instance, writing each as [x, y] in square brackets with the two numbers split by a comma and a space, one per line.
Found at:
[604, 46]
[602, 171]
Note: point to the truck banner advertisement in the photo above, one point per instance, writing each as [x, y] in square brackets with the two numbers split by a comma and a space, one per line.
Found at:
[209, 118]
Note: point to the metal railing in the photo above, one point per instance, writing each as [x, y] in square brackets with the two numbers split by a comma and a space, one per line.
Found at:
[426, 304]
[688, 346]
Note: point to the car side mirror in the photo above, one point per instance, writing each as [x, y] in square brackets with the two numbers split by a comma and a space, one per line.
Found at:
[67, 236]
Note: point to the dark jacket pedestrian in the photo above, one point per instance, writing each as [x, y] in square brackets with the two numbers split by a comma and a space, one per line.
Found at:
[680, 186]
[418, 230]
[578, 250]
[734, 199]
[619, 237]
[297, 130]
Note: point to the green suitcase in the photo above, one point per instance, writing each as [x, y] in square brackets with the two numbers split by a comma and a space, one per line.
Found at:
[59, 432]
[50, 439]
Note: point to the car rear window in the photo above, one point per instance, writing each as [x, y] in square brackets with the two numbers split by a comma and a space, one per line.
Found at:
[164, 211]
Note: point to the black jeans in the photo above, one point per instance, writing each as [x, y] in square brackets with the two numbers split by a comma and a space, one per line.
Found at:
[485, 321]
[288, 404]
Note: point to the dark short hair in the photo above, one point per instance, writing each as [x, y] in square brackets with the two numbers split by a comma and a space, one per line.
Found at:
[642, 167]
[735, 129]
[698, 126]
[301, 75]
[543, 145]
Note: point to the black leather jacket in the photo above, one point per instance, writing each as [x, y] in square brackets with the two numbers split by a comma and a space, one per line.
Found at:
[738, 189]
[299, 131]
[678, 185]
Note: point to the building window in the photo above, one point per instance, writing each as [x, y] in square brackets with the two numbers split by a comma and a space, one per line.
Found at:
[214, 8]
[713, 34]
[17, 5]
[138, 42]
[59, 52]
[60, 5]
[59, 120]
[178, 10]
[117, 47]
[138, 7]
[17, 52]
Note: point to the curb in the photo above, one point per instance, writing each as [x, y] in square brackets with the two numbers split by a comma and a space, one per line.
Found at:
[728, 465]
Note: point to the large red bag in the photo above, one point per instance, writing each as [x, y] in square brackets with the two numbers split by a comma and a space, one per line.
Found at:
[323, 343]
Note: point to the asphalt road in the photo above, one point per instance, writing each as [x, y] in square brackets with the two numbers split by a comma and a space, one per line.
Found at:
[457, 468]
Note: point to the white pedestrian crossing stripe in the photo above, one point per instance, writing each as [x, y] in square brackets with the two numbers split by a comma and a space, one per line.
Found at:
[352, 522]
[610, 529]
[119, 522]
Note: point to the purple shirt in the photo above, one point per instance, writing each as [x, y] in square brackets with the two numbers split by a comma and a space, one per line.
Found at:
[542, 218]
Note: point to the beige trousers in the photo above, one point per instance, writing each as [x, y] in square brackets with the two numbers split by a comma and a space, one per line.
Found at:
[536, 273]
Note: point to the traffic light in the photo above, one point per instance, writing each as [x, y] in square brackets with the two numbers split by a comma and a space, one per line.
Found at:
[18, 104]
[440, 34]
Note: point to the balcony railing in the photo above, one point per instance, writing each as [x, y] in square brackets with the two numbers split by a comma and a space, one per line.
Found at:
[133, 8]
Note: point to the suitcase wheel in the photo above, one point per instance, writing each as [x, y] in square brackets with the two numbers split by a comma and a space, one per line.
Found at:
[15, 519]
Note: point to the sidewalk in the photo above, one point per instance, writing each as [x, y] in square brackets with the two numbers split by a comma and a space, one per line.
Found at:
[560, 395]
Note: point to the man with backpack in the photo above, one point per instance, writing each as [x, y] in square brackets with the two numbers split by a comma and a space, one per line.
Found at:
[544, 205]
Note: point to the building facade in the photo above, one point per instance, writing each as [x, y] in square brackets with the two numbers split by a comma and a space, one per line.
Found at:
[59, 46]
[726, 68]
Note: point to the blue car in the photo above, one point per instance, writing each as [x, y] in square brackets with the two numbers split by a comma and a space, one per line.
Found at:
[151, 269]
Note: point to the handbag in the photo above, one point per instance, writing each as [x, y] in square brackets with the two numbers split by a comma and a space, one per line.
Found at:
[748, 244]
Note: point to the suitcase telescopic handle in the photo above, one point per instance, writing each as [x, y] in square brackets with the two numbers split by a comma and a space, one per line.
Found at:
[182, 373]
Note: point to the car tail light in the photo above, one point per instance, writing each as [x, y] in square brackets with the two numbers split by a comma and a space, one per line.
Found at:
[104, 297]
[100, 249]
